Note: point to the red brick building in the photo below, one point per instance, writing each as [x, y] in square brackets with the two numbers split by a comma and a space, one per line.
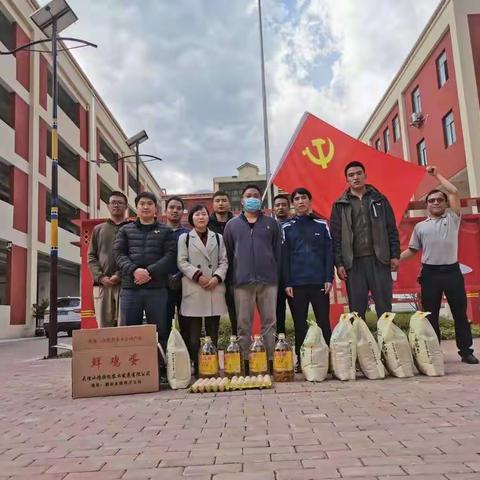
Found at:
[430, 112]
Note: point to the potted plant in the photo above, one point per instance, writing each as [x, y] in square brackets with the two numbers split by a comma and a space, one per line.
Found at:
[38, 312]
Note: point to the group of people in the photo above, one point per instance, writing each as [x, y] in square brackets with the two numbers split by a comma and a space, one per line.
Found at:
[220, 263]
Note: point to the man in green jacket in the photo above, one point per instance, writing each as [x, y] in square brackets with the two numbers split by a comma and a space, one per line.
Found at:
[106, 277]
[365, 242]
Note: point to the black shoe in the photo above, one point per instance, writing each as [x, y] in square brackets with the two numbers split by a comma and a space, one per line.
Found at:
[470, 358]
[298, 368]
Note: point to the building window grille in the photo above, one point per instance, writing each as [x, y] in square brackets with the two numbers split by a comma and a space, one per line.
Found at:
[416, 103]
[449, 129]
[386, 139]
[396, 128]
[378, 144]
[5, 179]
[108, 154]
[6, 106]
[422, 152]
[442, 69]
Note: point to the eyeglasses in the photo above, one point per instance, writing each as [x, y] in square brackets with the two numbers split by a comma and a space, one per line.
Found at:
[115, 203]
[436, 200]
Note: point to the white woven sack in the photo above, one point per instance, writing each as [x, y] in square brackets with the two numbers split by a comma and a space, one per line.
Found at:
[343, 348]
[368, 354]
[425, 346]
[179, 371]
[314, 354]
[393, 343]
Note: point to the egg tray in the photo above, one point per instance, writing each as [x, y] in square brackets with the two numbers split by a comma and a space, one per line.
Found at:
[225, 384]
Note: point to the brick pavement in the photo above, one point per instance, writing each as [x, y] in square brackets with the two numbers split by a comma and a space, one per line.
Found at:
[420, 428]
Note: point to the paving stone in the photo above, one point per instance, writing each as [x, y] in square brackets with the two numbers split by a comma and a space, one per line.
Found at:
[418, 429]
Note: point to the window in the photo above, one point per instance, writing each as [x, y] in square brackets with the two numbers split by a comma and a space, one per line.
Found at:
[66, 213]
[67, 158]
[5, 188]
[396, 128]
[105, 192]
[4, 280]
[442, 69]
[6, 106]
[416, 104]
[449, 129]
[65, 100]
[68, 302]
[6, 32]
[108, 154]
[386, 139]
[378, 144]
[132, 182]
[422, 152]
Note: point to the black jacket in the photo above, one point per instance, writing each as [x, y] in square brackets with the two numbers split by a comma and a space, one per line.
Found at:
[151, 247]
[386, 243]
[254, 251]
[218, 227]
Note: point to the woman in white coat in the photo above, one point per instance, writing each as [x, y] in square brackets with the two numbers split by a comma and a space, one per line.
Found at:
[202, 258]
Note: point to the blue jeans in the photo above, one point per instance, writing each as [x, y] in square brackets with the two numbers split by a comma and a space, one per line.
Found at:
[153, 301]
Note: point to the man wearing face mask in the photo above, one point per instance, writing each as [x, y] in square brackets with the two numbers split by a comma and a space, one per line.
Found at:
[253, 243]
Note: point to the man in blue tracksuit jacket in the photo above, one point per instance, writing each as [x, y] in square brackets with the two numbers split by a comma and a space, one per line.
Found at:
[307, 266]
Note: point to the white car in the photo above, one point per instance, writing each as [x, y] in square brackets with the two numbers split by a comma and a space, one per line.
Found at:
[68, 315]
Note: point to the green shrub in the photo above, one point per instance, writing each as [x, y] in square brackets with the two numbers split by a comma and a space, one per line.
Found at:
[401, 319]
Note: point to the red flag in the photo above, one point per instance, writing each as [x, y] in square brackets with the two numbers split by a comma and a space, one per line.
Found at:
[316, 158]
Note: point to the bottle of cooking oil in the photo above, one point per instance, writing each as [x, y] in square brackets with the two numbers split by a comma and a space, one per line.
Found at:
[257, 357]
[283, 361]
[207, 360]
[232, 359]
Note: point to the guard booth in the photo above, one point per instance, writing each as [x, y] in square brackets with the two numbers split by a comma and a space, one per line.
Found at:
[406, 285]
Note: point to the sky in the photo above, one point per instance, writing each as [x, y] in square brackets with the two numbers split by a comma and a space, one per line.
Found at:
[188, 72]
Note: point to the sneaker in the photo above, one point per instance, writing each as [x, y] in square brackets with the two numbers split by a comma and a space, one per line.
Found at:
[298, 368]
[470, 358]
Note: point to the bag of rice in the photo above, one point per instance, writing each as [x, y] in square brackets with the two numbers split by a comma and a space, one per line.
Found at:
[426, 349]
[314, 354]
[368, 353]
[179, 370]
[343, 348]
[393, 343]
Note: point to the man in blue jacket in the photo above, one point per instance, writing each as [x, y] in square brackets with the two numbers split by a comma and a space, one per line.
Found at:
[253, 243]
[174, 209]
[307, 264]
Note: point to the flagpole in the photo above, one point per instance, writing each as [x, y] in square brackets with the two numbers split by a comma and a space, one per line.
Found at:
[268, 173]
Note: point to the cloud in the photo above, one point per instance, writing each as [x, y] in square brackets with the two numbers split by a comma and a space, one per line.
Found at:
[353, 51]
[188, 72]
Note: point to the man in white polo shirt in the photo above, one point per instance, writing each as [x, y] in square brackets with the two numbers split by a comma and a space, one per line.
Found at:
[437, 237]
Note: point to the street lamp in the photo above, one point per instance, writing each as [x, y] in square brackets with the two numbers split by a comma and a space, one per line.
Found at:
[52, 19]
[137, 156]
[135, 141]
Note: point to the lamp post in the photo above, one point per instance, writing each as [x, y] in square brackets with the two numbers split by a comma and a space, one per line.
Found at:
[51, 20]
[134, 142]
[137, 156]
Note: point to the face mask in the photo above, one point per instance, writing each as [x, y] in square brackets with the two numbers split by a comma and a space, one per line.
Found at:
[252, 204]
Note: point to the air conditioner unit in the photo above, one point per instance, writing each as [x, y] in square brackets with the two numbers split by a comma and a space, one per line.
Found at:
[417, 119]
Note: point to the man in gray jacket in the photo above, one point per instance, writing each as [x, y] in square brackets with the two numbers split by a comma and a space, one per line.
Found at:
[102, 265]
[253, 243]
[365, 242]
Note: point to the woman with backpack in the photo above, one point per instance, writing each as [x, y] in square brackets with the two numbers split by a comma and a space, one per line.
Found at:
[202, 258]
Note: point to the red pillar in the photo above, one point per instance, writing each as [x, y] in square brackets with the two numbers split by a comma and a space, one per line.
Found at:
[86, 281]
[22, 127]
[19, 182]
[23, 57]
[17, 292]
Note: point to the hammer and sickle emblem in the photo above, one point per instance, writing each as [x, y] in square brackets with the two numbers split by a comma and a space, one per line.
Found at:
[322, 160]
